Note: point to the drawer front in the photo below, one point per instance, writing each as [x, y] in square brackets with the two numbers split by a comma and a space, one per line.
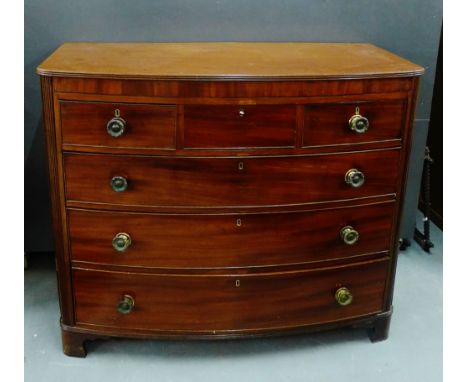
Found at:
[144, 126]
[233, 302]
[214, 241]
[234, 126]
[228, 182]
[329, 124]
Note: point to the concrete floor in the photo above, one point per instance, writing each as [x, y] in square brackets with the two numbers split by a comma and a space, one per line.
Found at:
[412, 353]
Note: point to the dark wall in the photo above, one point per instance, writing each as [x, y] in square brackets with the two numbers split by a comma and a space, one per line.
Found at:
[408, 28]
[435, 143]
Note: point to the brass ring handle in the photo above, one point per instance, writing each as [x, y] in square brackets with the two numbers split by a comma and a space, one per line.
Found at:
[121, 241]
[358, 123]
[126, 304]
[343, 296]
[116, 126]
[241, 113]
[119, 183]
[349, 235]
[354, 178]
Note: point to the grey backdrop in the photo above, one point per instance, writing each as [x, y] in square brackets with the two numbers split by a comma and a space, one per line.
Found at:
[410, 28]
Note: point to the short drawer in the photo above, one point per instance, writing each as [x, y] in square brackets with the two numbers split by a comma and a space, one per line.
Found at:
[356, 122]
[207, 303]
[234, 126]
[217, 241]
[228, 182]
[119, 125]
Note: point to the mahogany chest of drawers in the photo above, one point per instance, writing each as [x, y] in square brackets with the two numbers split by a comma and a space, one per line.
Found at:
[224, 190]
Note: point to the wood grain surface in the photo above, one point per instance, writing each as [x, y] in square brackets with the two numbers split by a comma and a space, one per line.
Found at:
[328, 124]
[236, 240]
[202, 91]
[219, 182]
[225, 60]
[234, 126]
[228, 303]
[146, 126]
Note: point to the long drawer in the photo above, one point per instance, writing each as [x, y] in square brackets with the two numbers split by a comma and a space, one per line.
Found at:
[216, 241]
[227, 182]
[204, 303]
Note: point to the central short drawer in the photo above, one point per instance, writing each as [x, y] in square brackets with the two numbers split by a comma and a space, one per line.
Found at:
[228, 182]
[207, 303]
[215, 241]
[238, 126]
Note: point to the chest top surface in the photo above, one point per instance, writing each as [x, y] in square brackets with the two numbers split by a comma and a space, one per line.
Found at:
[230, 60]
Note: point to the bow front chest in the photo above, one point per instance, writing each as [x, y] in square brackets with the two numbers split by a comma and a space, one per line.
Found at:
[224, 190]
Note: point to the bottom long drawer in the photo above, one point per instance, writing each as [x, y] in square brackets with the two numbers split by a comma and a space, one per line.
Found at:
[196, 303]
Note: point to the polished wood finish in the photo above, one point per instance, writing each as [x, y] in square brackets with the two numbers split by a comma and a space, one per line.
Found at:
[229, 240]
[224, 303]
[147, 126]
[235, 220]
[228, 182]
[329, 124]
[57, 197]
[238, 126]
[225, 60]
[380, 329]
[402, 181]
[73, 344]
[204, 91]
